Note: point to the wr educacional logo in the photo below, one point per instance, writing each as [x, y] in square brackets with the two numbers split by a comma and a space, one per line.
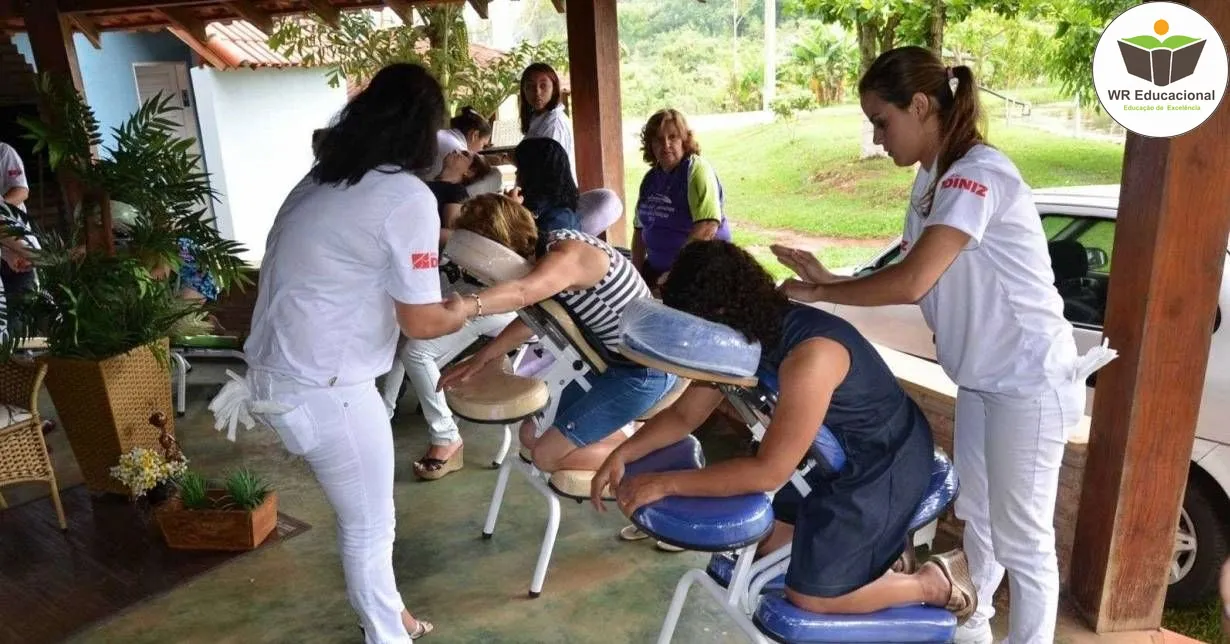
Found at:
[1178, 55]
[1161, 62]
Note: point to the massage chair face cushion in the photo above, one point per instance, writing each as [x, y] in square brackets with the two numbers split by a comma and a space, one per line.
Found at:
[488, 261]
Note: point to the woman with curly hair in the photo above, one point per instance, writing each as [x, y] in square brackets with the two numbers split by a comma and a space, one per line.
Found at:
[848, 532]
[680, 198]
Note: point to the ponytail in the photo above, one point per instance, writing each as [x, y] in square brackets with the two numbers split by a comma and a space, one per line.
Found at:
[898, 74]
[469, 120]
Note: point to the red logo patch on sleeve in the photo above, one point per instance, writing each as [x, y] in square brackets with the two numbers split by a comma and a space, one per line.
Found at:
[424, 260]
[961, 183]
[15, 172]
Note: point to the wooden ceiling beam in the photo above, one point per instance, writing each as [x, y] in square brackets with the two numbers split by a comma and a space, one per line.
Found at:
[253, 14]
[403, 8]
[480, 7]
[208, 55]
[77, 6]
[87, 27]
[186, 21]
[327, 12]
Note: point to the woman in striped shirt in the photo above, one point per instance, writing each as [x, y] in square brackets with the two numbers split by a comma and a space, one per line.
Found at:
[595, 282]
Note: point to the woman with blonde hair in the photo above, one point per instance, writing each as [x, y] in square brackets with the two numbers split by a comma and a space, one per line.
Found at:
[680, 200]
[595, 282]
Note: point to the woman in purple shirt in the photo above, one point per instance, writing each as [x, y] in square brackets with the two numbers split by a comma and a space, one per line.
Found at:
[680, 198]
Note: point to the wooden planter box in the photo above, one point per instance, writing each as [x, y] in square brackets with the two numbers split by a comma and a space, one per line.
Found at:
[217, 529]
[105, 406]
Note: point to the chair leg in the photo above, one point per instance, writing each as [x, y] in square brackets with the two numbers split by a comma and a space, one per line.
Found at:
[702, 579]
[181, 385]
[500, 455]
[548, 545]
[497, 497]
[925, 536]
[55, 499]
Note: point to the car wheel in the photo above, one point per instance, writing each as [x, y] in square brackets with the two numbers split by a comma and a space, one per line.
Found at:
[1201, 546]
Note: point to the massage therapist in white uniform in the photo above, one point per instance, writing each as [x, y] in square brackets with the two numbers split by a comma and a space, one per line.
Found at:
[350, 263]
[976, 261]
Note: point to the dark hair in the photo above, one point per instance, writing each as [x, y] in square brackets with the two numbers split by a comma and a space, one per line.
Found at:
[527, 112]
[393, 121]
[723, 283]
[898, 74]
[654, 126]
[544, 174]
[479, 169]
[469, 120]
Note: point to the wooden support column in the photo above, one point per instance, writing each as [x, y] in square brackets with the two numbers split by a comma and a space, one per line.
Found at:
[1170, 245]
[51, 38]
[593, 55]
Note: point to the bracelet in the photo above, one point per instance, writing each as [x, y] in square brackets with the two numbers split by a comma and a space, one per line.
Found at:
[478, 301]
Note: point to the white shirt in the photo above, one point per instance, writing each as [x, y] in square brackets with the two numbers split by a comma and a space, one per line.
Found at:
[997, 317]
[335, 261]
[446, 141]
[12, 172]
[554, 124]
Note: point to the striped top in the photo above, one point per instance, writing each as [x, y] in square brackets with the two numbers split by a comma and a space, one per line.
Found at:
[600, 307]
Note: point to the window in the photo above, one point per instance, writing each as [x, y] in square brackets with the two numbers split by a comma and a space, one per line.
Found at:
[1052, 225]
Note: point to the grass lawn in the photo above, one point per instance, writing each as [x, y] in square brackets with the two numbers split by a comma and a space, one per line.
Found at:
[1201, 623]
[804, 176]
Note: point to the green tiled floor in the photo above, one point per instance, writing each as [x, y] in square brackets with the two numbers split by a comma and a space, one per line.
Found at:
[598, 589]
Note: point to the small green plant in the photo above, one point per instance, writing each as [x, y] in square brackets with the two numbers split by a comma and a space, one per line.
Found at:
[245, 489]
[193, 491]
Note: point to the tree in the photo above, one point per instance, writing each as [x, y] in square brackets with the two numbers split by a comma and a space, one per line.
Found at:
[359, 47]
[1079, 25]
[882, 25]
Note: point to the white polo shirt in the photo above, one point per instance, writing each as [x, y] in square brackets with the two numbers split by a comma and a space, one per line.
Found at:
[554, 124]
[12, 171]
[997, 317]
[335, 261]
[446, 141]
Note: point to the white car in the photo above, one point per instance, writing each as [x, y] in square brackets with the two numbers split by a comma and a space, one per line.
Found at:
[1080, 224]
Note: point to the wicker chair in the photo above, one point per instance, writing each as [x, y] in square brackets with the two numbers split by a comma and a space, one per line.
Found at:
[23, 453]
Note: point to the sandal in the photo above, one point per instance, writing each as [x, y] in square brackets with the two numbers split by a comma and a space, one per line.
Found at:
[632, 533]
[962, 597]
[907, 563]
[421, 628]
[431, 469]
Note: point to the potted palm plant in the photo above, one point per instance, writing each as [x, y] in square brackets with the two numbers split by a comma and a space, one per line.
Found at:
[104, 308]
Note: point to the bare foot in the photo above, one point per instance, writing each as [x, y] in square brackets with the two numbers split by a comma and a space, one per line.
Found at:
[936, 587]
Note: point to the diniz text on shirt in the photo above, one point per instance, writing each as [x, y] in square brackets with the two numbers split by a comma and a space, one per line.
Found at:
[424, 261]
[961, 183]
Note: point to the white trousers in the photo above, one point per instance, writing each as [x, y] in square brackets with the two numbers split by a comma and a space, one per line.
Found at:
[345, 436]
[422, 359]
[1008, 453]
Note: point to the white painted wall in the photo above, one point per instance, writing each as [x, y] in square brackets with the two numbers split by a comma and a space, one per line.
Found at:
[256, 131]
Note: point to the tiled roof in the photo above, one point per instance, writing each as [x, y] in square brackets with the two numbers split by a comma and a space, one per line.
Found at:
[240, 44]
